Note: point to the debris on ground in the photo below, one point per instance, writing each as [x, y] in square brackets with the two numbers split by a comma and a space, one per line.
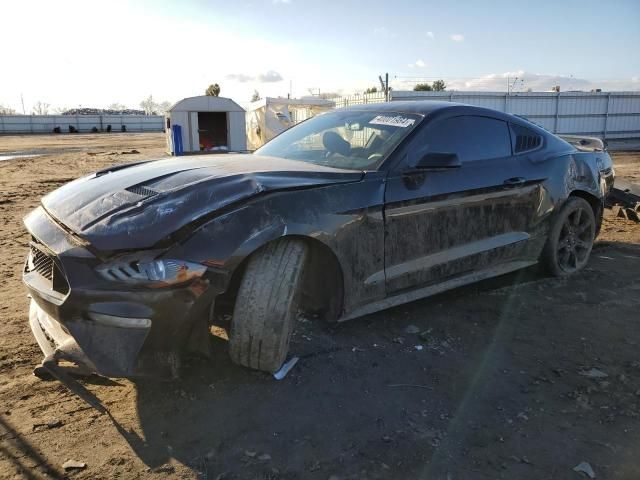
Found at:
[625, 200]
[412, 329]
[593, 373]
[628, 213]
[74, 464]
[409, 385]
[584, 467]
[286, 367]
[53, 423]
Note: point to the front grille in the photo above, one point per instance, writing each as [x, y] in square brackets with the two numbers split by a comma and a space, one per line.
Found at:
[42, 263]
[46, 266]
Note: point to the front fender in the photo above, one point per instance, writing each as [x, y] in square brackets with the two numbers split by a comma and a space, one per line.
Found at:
[346, 219]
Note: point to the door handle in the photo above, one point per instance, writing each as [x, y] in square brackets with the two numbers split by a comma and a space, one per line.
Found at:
[514, 181]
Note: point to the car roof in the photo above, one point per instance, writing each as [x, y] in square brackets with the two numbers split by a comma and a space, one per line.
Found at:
[430, 107]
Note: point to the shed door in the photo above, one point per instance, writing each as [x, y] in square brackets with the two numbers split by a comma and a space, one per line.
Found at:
[212, 131]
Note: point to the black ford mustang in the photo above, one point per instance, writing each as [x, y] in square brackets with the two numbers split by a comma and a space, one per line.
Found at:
[347, 213]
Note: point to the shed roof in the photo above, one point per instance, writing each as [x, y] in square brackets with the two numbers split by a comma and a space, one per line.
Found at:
[206, 103]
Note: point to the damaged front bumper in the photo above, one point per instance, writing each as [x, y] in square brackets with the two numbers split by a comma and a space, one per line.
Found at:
[106, 327]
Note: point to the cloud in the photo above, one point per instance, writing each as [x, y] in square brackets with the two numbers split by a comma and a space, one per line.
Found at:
[240, 77]
[281, 1]
[521, 81]
[456, 37]
[418, 64]
[270, 76]
[430, 34]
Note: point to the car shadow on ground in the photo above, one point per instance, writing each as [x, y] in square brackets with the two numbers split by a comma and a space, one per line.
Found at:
[477, 385]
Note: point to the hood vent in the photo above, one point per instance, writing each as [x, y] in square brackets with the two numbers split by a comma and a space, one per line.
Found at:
[142, 191]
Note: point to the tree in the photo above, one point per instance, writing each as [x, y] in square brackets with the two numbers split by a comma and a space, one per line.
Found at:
[256, 96]
[423, 87]
[439, 86]
[371, 90]
[7, 110]
[59, 110]
[163, 107]
[117, 106]
[40, 108]
[328, 95]
[213, 90]
[149, 105]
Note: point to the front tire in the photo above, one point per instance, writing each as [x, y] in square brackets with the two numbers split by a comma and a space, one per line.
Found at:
[267, 304]
[571, 239]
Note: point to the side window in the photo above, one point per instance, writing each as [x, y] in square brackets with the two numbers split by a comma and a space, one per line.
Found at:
[471, 137]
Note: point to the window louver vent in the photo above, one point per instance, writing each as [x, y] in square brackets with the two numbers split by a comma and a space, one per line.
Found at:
[527, 142]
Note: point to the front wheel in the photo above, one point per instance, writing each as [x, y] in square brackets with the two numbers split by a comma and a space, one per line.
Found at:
[267, 304]
[571, 239]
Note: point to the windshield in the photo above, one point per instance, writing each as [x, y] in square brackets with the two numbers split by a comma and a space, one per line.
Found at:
[343, 139]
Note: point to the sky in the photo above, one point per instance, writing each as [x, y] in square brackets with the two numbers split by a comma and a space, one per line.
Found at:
[87, 53]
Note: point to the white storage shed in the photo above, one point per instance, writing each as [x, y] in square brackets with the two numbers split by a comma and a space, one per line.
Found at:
[268, 116]
[205, 124]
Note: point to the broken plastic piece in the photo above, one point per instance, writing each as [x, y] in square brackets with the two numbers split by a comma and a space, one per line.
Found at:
[284, 369]
[72, 464]
[584, 467]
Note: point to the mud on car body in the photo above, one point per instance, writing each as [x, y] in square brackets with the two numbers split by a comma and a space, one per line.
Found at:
[347, 213]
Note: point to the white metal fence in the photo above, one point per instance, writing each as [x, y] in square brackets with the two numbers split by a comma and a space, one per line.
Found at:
[82, 123]
[607, 115]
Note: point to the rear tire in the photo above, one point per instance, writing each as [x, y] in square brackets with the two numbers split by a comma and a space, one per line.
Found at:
[570, 240]
[267, 304]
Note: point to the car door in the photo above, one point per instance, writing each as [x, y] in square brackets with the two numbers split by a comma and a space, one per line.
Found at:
[442, 223]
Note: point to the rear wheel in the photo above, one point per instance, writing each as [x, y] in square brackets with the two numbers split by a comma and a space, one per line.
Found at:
[571, 238]
[267, 304]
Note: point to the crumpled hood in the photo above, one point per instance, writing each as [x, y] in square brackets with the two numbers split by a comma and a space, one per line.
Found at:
[135, 206]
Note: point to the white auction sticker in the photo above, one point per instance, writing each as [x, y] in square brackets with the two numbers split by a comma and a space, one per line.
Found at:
[393, 121]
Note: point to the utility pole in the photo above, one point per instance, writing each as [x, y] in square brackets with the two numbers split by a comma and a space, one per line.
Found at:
[386, 90]
[22, 101]
[385, 86]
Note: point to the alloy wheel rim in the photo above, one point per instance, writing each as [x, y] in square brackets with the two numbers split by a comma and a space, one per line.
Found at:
[574, 243]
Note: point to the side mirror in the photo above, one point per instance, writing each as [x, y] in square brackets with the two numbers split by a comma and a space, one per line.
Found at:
[438, 160]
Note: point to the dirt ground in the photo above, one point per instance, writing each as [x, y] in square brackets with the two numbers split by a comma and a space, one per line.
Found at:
[495, 380]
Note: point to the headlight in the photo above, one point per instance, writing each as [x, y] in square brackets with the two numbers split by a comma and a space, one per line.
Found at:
[152, 272]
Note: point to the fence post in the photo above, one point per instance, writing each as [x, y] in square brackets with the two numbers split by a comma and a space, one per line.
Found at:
[606, 117]
[555, 120]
